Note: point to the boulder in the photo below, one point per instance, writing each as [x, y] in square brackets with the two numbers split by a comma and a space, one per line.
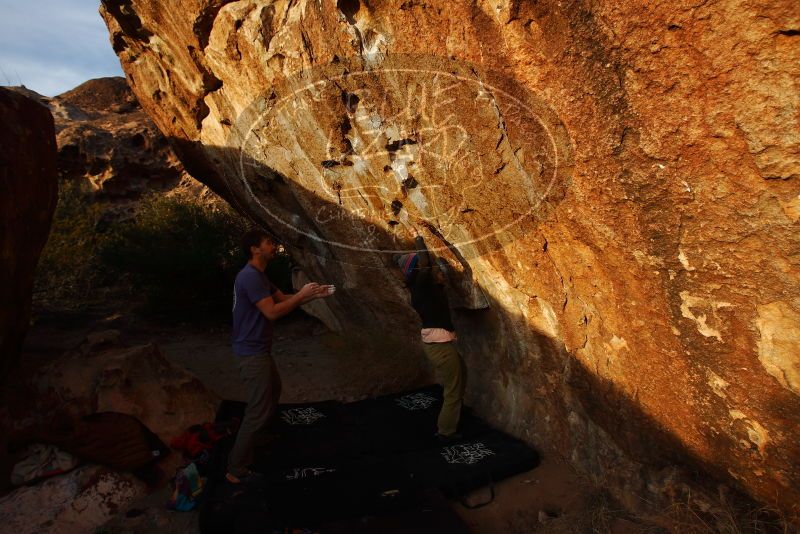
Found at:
[613, 185]
[28, 195]
[104, 375]
[79, 501]
[111, 147]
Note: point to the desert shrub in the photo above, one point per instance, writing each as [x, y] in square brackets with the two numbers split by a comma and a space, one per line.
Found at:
[180, 256]
[174, 259]
[69, 272]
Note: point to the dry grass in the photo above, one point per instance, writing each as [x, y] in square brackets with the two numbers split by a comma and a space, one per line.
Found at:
[726, 518]
[600, 514]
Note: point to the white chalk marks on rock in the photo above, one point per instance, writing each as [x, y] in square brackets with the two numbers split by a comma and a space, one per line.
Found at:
[390, 148]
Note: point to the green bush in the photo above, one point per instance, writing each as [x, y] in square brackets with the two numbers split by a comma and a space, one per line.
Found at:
[69, 272]
[181, 256]
[175, 258]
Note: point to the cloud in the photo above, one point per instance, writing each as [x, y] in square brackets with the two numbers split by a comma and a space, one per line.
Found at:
[51, 46]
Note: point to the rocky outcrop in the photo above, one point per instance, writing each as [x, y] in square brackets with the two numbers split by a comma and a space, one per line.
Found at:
[104, 375]
[108, 144]
[101, 374]
[107, 140]
[79, 501]
[28, 194]
[613, 184]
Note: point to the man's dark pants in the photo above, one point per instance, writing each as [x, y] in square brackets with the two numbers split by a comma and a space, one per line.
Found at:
[262, 384]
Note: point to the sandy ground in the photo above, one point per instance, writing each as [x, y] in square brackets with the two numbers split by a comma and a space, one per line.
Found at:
[317, 365]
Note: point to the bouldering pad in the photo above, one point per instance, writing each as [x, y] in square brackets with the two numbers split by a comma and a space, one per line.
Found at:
[330, 462]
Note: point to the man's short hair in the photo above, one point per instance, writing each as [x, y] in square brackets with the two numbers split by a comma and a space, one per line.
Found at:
[253, 238]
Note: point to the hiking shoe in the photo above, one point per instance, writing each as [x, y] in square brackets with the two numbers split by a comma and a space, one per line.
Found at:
[449, 438]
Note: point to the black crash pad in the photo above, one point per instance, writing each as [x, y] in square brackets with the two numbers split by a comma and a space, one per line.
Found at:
[334, 461]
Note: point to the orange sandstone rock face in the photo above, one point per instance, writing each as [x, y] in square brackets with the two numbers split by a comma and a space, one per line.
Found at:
[109, 145]
[614, 186]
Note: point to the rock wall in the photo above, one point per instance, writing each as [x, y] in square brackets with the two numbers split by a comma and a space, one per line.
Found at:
[102, 374]
[28, 194]
[613, 184]
[108, 142]
[109, 145]
[79, 501]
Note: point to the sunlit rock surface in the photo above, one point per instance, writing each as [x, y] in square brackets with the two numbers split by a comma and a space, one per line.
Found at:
[112, 148]
[28, 194]
[614, 186]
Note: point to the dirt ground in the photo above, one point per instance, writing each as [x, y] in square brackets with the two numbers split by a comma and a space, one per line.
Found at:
[316, 364]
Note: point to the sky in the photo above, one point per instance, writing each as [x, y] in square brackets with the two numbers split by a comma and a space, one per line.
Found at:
[51, 46]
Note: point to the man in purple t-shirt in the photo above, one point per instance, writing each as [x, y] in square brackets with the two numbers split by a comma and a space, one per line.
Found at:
[256, 304]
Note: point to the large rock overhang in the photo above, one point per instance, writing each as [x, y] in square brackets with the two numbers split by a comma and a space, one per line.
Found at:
[627, 260]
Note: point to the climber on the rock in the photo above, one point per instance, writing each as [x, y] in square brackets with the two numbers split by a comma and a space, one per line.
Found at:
[425, 281]
[256, 304]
